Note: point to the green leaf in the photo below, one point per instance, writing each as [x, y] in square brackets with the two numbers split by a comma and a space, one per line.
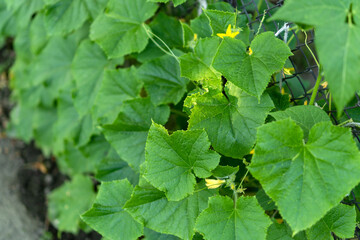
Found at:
[67, 202]
[294, 172]
[313, 12]
[43, 121]
[116, 87]
[88, 69]
[231, 122]
[336, 40]
[197, 66]
[201, 26]
[340, 220]
[220, 20]
[151, 207]
[168, 29]
[172, 162]
[340, 63]
[128, 133]
[152, 235]
[38, 34]
[176, 2]
[112, 167]
[125, 21]
[305, 116]
[224, 171]
[251, 72]
[65, 16]
[52, 66]
[107, 215]
[162, 80]
[282, 231]
[265, 202]
[223, 220]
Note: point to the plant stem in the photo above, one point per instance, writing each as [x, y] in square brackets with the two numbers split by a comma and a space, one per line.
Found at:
[316, 88]
[177, 112]
[319, 77]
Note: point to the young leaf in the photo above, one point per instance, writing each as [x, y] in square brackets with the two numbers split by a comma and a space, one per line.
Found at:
[305, 116]
[107, 215]
[230, 122]
[125, 21]
[128, 133]
[162, 80]
[67, 202]
[223, 219]
[220, 20]
[293, 172]
[197, 66]
[172, 162]
[251, 72]
[340, 220]
[151, 207]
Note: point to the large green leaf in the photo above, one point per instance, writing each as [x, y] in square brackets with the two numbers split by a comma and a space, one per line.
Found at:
[128, 133]
[172, 162]
[197, 66]
[305, 116]
[251, 72]
[116, 87]
[53, 66]
[151, 207]
[224, 219]
[65, 16]
[230, 121]
[337, 35]
[340, 220]
[67, 202]
[176, 2]
[317, 12]
[162, 80]
[88, 69]
[121, 29]
[293, 172]
[112, 167]
[107, 215]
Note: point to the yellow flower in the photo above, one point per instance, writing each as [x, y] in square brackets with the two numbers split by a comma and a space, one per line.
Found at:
[228, 33]
[195, 37]
[213, 183]
[305, 103]
[324, 84]
[282, 91]
[289, 71]
[252, 151]
[250, 51]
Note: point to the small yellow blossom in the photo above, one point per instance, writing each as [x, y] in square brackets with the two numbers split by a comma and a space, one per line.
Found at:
[306, 102]
[282, 91]
[324, 84]
[228, 33]
[195, 37]
[252, 151]
[232, 186]
[250, 51]
[214, 183]
[289, 71]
